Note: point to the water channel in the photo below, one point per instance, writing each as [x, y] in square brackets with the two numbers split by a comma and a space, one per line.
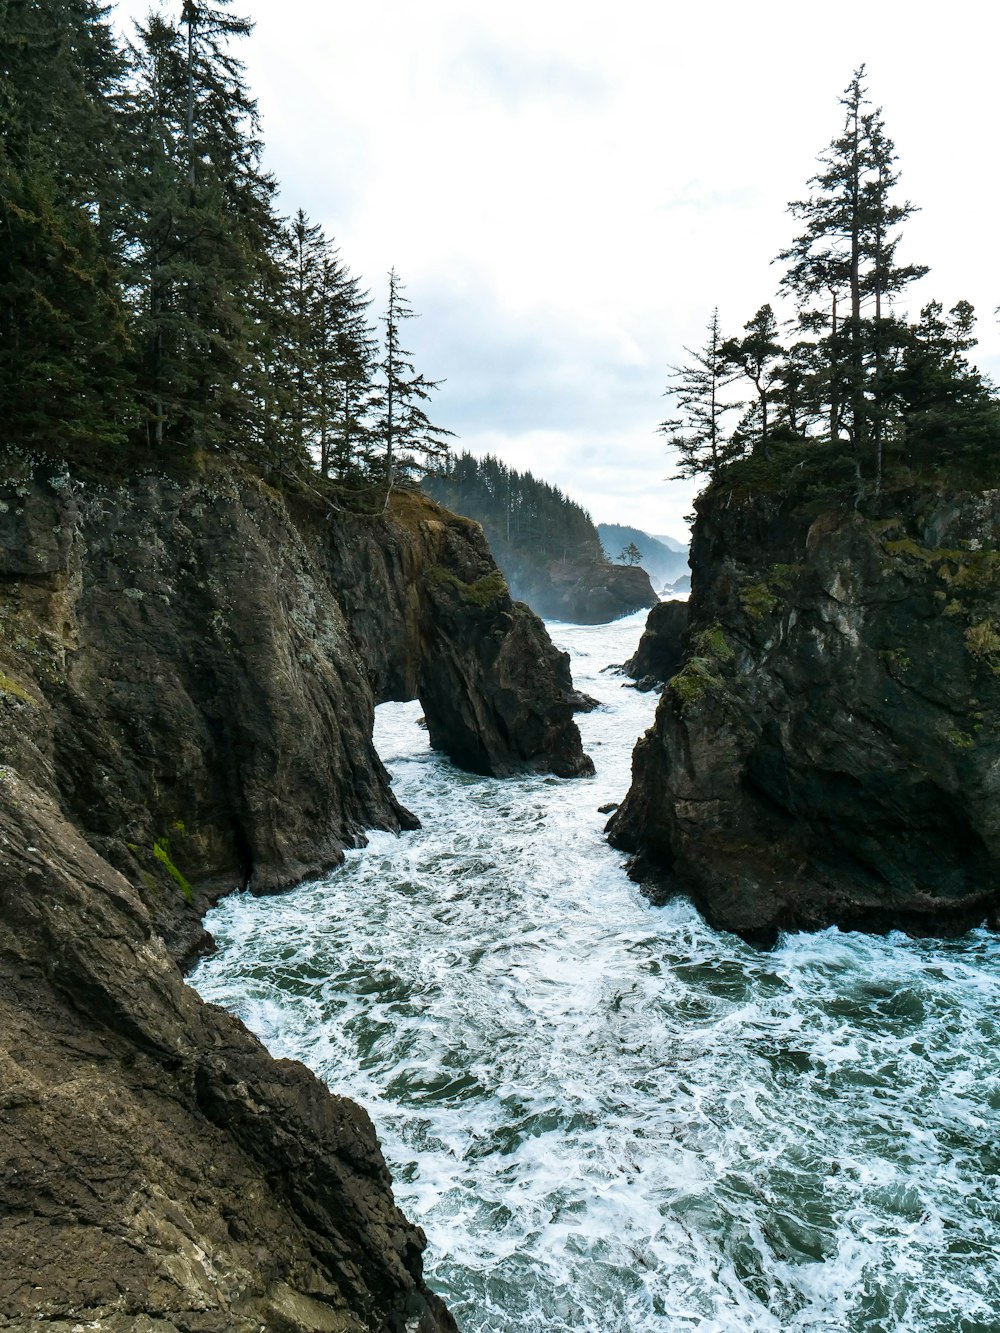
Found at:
[607, 1117]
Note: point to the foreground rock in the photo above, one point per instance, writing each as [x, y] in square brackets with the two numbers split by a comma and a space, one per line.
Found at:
[187, 683]
[830, 750]
[661, 648]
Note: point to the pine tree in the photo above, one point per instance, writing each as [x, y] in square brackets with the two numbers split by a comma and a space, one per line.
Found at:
[64, 385]
[698, 434]
[843, 271]
[402, 425]
[346, 351]
[948, 414]
[208, 243]
[759, 357]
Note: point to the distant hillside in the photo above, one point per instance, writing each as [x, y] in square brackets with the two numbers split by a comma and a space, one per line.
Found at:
[671, 542]
[545, 543]
[663, 559]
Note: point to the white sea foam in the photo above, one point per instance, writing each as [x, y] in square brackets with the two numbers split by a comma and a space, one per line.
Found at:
[607, 1117]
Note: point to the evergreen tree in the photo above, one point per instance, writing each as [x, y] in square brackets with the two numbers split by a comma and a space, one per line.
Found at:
[846, 258]
[346, 355]
[63, 342]
[208, 242]
[698, 434]
[402, 425]
[948, 414]
[759, 357]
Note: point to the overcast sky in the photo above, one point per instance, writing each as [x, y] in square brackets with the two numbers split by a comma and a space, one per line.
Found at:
[567, 188]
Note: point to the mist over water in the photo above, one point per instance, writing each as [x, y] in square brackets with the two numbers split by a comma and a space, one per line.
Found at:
[608, 1117]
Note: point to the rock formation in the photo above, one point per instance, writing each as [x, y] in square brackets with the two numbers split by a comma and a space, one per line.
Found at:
[661, 648]
[591, 593]
[187, 680]
[829, 750]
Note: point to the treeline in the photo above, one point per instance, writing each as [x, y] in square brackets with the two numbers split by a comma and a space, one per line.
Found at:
[154, 304]
[521, 515]
[850, 389]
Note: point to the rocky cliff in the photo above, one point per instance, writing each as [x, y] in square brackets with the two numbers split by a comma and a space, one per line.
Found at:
[591, 593]
[661, 648]
[829, 750]
[187, 680]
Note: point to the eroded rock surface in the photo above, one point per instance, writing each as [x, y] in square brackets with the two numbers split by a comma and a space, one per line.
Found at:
[186, 699]
[829, 751]
[661, 648]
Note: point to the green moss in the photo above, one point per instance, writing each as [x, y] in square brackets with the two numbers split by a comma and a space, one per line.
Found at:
[161, 850]
[11, 687]
[694, 680]
[896, 660]
[700, 675]
[783, 576]
[711, 644]
[961, 740]
[758, 600]
[983, 641]
[481, 593]
[908, 547]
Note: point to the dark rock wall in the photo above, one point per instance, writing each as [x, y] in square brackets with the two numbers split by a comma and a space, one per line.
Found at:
[187, 683]
[829, 751]
[661, 648]
[434, 620]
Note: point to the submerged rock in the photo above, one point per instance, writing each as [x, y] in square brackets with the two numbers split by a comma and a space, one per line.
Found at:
[187, 681]
[829, 752]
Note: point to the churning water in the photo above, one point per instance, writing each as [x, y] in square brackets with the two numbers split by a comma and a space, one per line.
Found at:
[608, 1117]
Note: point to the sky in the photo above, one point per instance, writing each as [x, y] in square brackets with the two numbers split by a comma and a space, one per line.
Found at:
[568, 188]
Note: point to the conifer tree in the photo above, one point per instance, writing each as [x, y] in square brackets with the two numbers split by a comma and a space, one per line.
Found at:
[698, 433]
[842, 267]
[208, 239]
[758, 356]
[346, 360]
[402, 426]
[63, 342]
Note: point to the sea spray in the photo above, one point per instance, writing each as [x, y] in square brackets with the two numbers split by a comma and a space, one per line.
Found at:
[607, 1116]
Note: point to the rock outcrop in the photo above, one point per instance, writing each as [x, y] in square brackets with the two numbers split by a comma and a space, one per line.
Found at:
[187, 682]
[829, 751]
[661, 648]
[591, 593]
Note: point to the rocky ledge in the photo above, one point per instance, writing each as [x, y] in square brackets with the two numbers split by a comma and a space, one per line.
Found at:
[188, 674]
[829, 750]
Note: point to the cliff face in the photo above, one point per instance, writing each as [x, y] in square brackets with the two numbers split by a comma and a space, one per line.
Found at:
[829, 751]
[584, 592]
[593, 593]
[661, 648]
[186, 708]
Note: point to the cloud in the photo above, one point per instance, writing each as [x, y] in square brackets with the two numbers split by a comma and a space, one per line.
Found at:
[516, 78]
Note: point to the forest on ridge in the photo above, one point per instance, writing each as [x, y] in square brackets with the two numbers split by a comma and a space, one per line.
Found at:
[155, 306]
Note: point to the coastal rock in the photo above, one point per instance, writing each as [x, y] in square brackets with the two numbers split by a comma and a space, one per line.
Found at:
[661, 648]
[434, 620]
[829, 752]
[591, 592]
[186, 704]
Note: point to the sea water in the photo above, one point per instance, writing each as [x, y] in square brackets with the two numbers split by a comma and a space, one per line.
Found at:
[607, 1116]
